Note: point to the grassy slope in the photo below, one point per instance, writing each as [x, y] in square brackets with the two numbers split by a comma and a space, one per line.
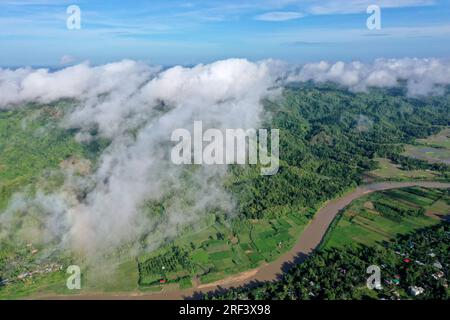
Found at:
[390, 171]
[434, 149]
[30, 142]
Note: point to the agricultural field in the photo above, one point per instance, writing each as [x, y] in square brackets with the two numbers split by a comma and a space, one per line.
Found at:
[166, 266]
[430, 154]
[220, 250]
[442, 140]
[435, 149]
[390, 171]
[384, 215]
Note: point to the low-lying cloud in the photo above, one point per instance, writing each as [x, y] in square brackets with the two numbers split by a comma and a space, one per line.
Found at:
[357, 6]
[422, 76]
[280, 16]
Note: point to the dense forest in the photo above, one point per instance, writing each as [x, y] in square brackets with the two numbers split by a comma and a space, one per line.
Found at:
[328, 138]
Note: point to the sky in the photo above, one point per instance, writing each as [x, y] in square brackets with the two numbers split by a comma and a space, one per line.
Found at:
[164, 32]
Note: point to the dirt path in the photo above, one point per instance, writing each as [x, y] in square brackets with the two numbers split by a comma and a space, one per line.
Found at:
[309, 240]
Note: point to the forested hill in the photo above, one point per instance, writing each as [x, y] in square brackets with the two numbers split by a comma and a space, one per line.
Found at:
[329, 137]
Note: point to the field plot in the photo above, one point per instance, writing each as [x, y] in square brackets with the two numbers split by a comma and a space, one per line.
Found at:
[389, 170]
[166, 266]
[383, 215]
[442, 139]
[220, 250]
[435, 149]
[430, 154]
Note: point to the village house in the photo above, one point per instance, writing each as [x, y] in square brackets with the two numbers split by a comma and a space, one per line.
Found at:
[416, 291]
[438, 275]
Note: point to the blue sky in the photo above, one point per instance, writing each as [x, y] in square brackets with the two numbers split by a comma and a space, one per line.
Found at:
[33, 32]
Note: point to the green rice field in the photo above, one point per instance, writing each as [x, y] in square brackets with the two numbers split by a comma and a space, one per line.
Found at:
[381, 216]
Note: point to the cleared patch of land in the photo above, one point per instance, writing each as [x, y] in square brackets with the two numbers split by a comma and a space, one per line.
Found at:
[434, 149]
[391, 171]
[430, 154]
[442, 139]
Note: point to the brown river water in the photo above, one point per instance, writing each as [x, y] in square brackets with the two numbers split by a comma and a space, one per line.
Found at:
[308, 241]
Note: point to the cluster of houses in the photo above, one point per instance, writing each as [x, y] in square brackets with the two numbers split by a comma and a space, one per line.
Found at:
[39, 270]
[44, 269]
[416, 290]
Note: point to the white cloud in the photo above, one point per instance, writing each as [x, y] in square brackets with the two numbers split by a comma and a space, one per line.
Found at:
[67, 59]
[279, 16]
[423, 76]
[357, 6]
